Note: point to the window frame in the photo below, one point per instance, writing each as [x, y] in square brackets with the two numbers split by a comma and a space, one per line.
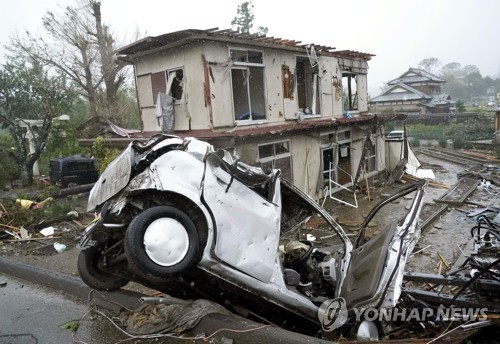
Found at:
[350, 97]
[305, 59]
[181, 82]
[159, 83]
[328, 141]
[273, 157]
[247, 67]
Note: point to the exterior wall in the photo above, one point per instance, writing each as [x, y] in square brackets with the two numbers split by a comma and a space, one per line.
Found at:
[193, 103]
[217, 57]
[306, 156]
[306, 162]
[209, 62]
[326, 71]
[362, 92]
[192, 113]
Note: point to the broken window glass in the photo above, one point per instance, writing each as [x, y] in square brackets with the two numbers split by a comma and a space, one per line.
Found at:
[248, 93]
[277, 156]
[308, 86]
[177, 77]
[173, 78]
[288, 80]
[244, 56]
[350, 91]
[329, 160]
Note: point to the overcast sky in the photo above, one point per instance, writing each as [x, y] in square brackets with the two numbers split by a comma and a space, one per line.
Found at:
[399, 32]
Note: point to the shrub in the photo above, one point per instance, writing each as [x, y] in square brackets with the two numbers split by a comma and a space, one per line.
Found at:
[103, 155]
[10, 169]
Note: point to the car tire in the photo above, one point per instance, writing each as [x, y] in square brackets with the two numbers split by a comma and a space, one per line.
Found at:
[162, 242]
[94, 277]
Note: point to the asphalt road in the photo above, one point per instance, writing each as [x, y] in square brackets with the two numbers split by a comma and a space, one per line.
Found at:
[32, 314]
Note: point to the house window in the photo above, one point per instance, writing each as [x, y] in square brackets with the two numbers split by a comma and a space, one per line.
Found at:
[176, 77]
[287, 79]
[247, 78]
[344, 136]
[308, 86]
[277, 156]
[329, 156]
[350, 91]
[329, 161]
[169, 81]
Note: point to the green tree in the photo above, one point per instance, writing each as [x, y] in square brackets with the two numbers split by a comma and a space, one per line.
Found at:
[243, 21]
[10, 169]
[30, 100]
[460, 105]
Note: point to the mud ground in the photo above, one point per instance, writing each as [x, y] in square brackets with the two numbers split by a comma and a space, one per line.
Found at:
[448, 235]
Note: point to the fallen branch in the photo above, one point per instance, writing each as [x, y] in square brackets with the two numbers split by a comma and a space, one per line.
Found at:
[33, 239]
[11, 227]
[430, 182]
[443, 260]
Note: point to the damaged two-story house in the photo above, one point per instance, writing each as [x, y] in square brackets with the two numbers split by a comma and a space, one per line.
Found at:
[277, 103]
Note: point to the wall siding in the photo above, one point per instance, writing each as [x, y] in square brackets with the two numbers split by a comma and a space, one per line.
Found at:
[217, 54]
[306, 163]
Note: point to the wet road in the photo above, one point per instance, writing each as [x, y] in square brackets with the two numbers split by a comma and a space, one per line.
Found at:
[31, 314]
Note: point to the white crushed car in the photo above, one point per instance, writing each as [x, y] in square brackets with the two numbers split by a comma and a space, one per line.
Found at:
[176, 214]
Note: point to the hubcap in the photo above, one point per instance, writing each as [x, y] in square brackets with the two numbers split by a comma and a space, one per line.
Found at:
[166, 241]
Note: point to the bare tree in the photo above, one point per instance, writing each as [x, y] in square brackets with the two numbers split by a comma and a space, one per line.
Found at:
[429, 64]
[81, 47]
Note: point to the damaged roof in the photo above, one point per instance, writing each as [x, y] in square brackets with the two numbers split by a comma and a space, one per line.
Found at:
[251, 132]
[153, 44]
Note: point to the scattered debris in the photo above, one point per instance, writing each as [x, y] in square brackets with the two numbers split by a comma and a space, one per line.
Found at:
[28, 204]
[71, 325]
[443, 260]
[168, 318]
[47, 231]
[59, 247]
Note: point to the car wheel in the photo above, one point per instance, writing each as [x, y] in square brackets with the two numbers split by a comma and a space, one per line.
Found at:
[162, 242]
[93, 276]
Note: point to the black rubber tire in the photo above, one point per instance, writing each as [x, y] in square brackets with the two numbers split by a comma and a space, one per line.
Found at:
[94, 277]
[139, 261]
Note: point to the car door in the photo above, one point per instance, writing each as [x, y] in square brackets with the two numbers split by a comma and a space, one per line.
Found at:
[377, 265]
[246, 224]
